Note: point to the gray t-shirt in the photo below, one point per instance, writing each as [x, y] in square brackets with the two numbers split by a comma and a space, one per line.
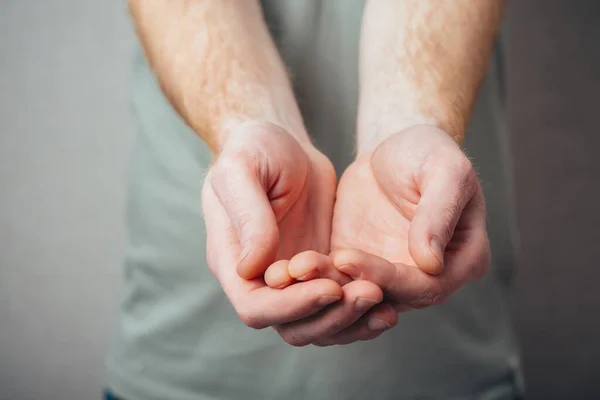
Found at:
[178, 338]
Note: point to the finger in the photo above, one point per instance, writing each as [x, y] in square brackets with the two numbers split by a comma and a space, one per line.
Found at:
[222, 246]
[468, 253]
[446, 188]
[277, 276]
[359, 264]
[381, 318]
[265, 306]
[241, 192]
[304, 266]
[311, 264]
[359, 297]
[402, 284]
[258, 305]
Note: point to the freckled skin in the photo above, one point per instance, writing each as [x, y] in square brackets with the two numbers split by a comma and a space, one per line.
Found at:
[422, 62]
[218, 76]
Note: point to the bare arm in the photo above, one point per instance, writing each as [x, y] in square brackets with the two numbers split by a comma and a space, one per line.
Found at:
[422, 61]
[217, 64]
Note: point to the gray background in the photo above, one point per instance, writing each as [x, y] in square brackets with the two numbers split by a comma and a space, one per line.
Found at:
[66, 129]
[65, 133]
[555, 108]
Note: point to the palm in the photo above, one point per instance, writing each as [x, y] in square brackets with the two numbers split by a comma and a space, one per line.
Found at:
[300, 217]
[365, 219]
[416, 185]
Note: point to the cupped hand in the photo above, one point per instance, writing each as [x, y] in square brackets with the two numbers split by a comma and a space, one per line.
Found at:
[269, 197]
[410, 216]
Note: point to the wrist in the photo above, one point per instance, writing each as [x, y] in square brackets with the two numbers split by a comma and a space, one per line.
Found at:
[245, 125]
[372, 131]
[288, 122]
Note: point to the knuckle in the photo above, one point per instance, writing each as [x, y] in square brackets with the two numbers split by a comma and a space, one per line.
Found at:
[222, 169]
[462, 171]
[431, 297]
[461, 163]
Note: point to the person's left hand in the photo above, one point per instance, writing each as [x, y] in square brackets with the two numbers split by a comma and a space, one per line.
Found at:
[410, 216]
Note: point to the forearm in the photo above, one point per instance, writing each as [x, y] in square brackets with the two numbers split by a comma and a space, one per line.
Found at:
[217, 65]
[422, 61]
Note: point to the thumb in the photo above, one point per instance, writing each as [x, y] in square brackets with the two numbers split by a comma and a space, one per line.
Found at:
[241, 192]
[445, 192]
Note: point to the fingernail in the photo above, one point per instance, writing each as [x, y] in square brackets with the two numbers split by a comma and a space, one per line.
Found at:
[307, 277]
[327, 299]
[245, 251]
[437, 248]
[283, 286]
[350, 270]
[362, 304]
[376, 324]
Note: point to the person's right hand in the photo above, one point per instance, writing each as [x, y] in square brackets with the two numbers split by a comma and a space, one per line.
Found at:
[267, 198]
